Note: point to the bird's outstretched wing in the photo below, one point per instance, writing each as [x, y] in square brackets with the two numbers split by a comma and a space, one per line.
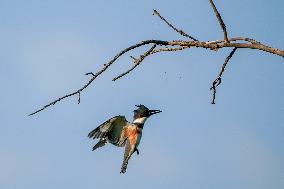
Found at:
[111, 130]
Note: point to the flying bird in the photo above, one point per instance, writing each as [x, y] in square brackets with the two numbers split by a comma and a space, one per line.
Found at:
[119, 132]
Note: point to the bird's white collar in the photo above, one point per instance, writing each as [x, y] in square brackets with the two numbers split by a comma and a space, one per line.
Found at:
[140, 120]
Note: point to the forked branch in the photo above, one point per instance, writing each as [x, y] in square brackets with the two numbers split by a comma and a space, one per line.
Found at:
[158, 46]
[137, 61]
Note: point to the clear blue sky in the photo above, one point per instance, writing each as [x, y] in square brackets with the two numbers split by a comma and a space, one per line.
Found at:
[47, 47]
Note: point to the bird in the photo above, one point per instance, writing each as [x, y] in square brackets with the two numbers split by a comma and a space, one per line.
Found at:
[121, 133]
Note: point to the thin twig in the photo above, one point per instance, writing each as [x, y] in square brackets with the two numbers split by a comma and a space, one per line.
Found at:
[136, 62]
[218, 80]
[226, 62]
[79, 98]
[222, 24]
[133, 58]
[90, 73]
[174, 28]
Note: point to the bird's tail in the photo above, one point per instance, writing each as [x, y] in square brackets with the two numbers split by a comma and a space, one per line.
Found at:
[124, 166]
[129, 149]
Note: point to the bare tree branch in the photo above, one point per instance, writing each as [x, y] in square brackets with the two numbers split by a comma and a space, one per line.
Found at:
[219, 18]
[218, 80]
[137, 61]
[168, 49]
[177, 45]
[94, 76]
[174, 28]
[235, 39]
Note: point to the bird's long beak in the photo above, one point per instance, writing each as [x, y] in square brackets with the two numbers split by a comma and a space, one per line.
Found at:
[152, 112]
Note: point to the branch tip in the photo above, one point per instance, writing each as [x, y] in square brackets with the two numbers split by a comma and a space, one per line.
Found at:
[133, 58]
[79, 97]
[173, 27]
[90, 73]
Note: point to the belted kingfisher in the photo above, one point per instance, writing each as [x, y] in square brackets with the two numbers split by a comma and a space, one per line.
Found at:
[119, 132]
